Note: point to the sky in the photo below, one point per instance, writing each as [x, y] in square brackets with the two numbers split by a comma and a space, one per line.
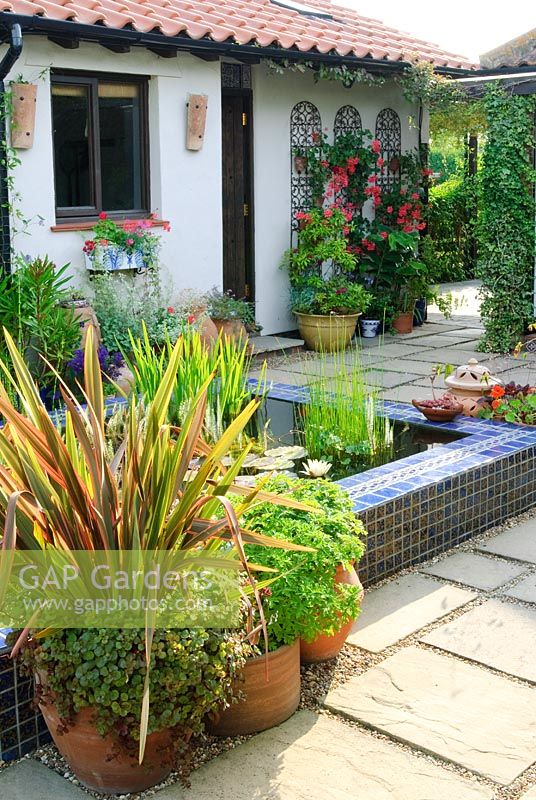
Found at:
[465, 27]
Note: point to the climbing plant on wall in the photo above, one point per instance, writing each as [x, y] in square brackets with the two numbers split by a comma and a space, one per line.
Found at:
[505, 228]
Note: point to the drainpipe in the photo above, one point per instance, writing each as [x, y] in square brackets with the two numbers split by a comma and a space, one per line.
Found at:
[9, 59]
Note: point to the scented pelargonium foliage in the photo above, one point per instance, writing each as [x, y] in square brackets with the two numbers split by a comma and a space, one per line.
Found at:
[192, 673]
[303, 602]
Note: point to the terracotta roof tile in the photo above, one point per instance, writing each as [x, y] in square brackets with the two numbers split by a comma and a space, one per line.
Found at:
[260, 22]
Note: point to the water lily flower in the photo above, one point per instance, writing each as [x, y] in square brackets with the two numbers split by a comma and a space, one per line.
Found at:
[316, 468]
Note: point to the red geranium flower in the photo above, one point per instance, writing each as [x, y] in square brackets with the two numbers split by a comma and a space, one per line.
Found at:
[103, 215]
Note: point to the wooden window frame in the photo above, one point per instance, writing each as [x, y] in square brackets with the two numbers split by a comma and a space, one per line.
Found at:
[92, 80]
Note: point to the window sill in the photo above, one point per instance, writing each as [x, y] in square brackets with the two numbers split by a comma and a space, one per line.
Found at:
[88, 226]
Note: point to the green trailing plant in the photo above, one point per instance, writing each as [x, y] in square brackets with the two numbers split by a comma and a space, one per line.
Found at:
[303, 602]
[325, 72]
[192, 674]
[228, 360]
[31, 309]
[421, 84]
[342, 422]
[505, 228]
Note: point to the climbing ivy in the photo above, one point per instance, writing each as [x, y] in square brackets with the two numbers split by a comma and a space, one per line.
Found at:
[505, 230]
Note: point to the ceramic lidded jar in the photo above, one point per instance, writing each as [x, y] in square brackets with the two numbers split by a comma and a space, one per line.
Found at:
[469, 383]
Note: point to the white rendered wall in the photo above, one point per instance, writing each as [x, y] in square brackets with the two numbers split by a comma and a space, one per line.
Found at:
[185, 186]
[274, 96]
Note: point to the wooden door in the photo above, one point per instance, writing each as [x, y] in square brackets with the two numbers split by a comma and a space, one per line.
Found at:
[238, 268]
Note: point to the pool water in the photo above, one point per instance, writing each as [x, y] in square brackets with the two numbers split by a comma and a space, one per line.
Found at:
[283, 422]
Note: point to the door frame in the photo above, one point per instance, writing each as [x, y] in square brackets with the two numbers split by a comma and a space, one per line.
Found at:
[247, 105]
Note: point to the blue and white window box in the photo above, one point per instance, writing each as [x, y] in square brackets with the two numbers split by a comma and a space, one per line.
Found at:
[110, 258]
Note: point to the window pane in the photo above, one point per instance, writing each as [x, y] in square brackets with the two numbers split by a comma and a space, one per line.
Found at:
[70, 116]
[120, 143]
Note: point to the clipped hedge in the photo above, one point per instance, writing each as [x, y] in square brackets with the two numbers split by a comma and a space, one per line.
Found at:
[451, 220]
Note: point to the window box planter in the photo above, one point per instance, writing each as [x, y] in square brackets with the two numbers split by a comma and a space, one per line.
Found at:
[113, 259]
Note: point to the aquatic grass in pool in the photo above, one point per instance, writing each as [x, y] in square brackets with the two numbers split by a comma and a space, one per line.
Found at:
[342, 422]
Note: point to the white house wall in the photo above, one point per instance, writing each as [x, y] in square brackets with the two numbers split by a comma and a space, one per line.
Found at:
[274, 96]
[185, 186]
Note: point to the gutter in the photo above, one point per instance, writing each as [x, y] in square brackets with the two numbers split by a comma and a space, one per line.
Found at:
[7, 63]
[100, 34]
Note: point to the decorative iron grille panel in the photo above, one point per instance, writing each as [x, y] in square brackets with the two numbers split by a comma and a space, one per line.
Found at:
[305, 121]
[347, 120]
[389, 135]
[235, 76]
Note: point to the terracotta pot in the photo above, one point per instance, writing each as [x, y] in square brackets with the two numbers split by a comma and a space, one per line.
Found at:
[233, 328]
[327, 333]
[325, 647]
[438, 414]
[208, 331]
[125, 380]
[100, 765]
[403, 323]
[85, 316]
[271, 694]
[23, 117]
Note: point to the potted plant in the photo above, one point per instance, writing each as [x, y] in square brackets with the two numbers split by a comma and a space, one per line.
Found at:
[316, 596]
[63, 495]
[300, 160]
[439, 409]
[327, 303]
[230, 315]
[128, 245]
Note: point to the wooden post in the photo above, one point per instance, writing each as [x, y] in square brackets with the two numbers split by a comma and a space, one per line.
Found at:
[197, 116]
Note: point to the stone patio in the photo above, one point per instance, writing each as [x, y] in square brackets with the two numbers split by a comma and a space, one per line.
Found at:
[445, 709]
[400, 364]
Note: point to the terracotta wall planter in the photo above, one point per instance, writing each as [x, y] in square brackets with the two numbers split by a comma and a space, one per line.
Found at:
[271, 696]
[100, 765]
[24, 96]
[325, 647]
[327, 333]
[233, 328]
[403, 323]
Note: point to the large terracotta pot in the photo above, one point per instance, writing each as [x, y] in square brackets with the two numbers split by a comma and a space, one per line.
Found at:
[207, 331]
[233, 328]
[325, 647]
[327, 333]
[271, 694]
[101, 765]
[403, 323]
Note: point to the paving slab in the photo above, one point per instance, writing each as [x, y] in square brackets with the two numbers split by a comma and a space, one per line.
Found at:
[447, 339]
[389, 379]
[453, 355]
[401, 607]
[405, 394]
[518, 542]
[524, 590]
[313, 757]
[448, 707]
[410, 365]
[280, 376]
[396, 349]
[31, 780]
[475, 570]
[530, 795]
[499, 634]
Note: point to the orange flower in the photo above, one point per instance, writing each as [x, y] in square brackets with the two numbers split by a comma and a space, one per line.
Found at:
[496, 404]
[497, 392]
